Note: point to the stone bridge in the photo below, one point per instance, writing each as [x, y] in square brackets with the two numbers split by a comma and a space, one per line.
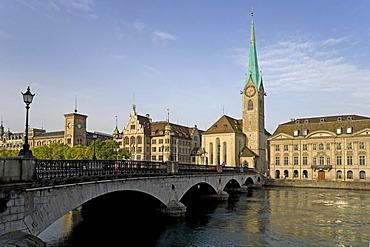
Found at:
[32, 206]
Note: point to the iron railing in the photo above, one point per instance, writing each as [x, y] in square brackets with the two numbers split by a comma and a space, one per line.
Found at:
[54, 169]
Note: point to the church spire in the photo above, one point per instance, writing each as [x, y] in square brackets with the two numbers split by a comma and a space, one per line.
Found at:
[253, 72]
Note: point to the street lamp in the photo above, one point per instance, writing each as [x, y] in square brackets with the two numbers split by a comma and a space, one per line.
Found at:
[94, 137]
[27, 99]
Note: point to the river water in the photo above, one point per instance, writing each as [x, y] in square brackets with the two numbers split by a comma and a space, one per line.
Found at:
[265, 217]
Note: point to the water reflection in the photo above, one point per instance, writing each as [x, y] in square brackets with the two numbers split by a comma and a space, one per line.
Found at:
[268, 217]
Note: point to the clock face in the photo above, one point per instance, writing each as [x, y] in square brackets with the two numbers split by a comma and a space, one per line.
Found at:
[250, 91]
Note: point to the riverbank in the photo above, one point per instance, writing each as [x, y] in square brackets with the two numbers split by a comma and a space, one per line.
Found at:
[349, 185]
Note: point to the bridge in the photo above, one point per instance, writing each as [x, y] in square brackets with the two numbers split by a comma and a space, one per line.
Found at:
[35, 193]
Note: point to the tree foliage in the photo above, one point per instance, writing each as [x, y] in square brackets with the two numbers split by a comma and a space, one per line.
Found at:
[104, 150]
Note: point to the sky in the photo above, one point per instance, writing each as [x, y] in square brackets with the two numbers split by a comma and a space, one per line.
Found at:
[187, 59]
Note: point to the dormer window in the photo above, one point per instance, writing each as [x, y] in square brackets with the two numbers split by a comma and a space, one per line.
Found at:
[296, 132]
[339, 119]
[349, 118]
[306, 121]
[297, 121]
[322, 120]
[349, 130]
[305, 132]
[339, 131]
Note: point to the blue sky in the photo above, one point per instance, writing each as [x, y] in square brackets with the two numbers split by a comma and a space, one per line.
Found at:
[186, 56]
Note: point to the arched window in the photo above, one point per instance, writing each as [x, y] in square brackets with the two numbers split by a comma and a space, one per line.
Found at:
[210, 151]
[286, 173]
[305, 174]
[349, 174]
[250, 105]
[132, 140]
[139, 140]
[362, 175]
[127, 140]
[277, 174]
[339, 174]
[295, 173]
[224, 148]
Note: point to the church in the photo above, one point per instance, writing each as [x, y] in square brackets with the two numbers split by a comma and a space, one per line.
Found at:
[242, 142]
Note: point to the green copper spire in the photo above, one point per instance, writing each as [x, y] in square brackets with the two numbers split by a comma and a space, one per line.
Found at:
[253, 71]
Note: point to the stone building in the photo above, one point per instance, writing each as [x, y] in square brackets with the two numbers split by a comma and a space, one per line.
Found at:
[74, 133]
[322, 148]
[158, 141]
[242, 142]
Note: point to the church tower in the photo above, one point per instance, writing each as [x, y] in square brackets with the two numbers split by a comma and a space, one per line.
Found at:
[253, 108]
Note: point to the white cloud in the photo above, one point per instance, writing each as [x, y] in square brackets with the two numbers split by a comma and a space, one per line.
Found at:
[163, 36]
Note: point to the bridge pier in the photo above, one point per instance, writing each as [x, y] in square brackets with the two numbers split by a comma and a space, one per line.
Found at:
[174, 209]
[220, 196]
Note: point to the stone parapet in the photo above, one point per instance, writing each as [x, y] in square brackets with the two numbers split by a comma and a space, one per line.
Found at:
[17, 169]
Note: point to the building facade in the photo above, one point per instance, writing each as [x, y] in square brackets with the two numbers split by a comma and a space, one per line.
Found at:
[242, 142]
[159, 141]
[322, 148]
[74, 133]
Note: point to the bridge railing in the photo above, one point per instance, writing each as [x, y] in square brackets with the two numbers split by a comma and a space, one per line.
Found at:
[51, 169]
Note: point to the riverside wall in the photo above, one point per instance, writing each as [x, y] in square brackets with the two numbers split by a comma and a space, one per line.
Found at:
[349, 185]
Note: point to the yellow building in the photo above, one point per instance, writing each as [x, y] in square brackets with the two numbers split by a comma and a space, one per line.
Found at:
[322, 148]
[242, 142]
[158, 141]
[74, 133]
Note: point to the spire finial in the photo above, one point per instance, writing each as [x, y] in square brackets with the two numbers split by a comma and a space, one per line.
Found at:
[76, 103]
[168, 115]
[116, 121]
[252, 10]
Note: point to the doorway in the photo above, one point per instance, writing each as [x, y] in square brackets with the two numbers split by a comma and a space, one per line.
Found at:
[321, 175]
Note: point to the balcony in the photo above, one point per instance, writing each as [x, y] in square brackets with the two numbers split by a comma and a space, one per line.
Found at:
[321, 167]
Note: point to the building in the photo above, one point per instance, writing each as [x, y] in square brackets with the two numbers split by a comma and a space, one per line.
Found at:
[159, 141]
[322, 148]
[74, 133]
[242, 142]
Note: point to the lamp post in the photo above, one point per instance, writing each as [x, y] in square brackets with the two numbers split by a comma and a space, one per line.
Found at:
[27, 99]
[94, 137]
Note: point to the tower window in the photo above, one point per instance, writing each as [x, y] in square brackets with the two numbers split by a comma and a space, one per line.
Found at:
[250, 105]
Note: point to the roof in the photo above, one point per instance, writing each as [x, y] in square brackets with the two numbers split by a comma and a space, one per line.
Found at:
[325, 123]
[246, 152]
[226, 124]
[50, 134]
[253, 71]
[158, 129]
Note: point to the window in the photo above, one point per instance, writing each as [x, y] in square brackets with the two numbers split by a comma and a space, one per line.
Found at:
[295, 173]
[327, 146]
[361, 145]
[321, 146]
[339, 160]
[349, 175]
[296, 132]
[286, 147]
[304, 147]
[154, 157]
[305, 132]
[132, 126]
[160, 141]
[321, 161]
[349, 160]
[362, 160]
[339, 146]
[250, 105]
[349, 130]
[328, 161]
[305, 174]
[362, 174]
[139, 140]
[295, 147]
[154, 141]
[286, 160]
[295, 160]
[314, 161]
[154, 149]
[277, 160]
[339, 131]
[277, 148]
[349, 145]
[339, 174]
[314, 146]
[304, 160]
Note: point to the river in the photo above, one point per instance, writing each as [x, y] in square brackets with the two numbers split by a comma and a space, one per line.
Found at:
[272, 216]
